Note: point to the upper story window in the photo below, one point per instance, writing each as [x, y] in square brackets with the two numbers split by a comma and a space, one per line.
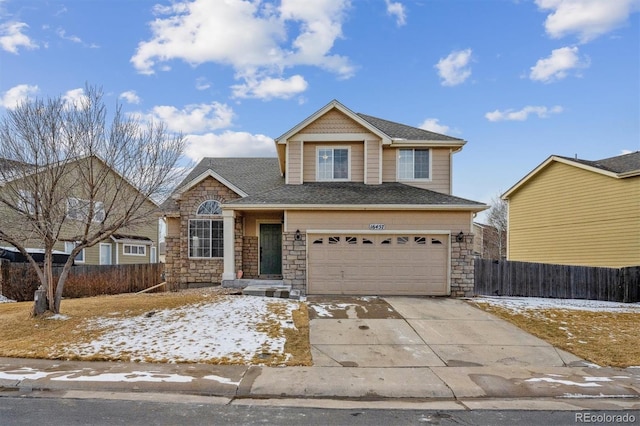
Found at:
[68, 248]
[209, 207]
[26, 202]
[333, 164]
[413, 164]
[78, 209]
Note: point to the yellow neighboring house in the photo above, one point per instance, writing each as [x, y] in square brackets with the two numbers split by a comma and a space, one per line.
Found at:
[577, 212]
[129, 245]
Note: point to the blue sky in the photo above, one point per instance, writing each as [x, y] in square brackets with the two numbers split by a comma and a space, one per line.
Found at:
[519, 80]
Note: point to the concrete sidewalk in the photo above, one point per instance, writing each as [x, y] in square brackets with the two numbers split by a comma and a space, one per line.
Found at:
[394, 352]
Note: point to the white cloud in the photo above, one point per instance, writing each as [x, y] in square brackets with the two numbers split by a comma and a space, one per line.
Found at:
[453, 69]
[257, 39]
[130, 96]
[17, 94]
[202, 83]
[75, 97]
[192, 118]
[588, 19]
[397, 10]
[557, 66]
[63, 35]
[12, 37]
[433, 125]
[523, 114]
[270, 88]
[229, 144]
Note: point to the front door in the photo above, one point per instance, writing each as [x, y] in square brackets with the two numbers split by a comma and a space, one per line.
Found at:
[270, 249]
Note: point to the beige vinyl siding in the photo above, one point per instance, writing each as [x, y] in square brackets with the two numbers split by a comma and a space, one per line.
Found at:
[334, 121]
[356, 159]
[92, 254]
[294, 159]
[453, 221]
[440, 180]
[127, 259]
[251, 220]
[567, 215]
[372, 162]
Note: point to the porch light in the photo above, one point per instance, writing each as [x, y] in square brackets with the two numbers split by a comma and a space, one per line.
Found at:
[460, 237]
[298, 236]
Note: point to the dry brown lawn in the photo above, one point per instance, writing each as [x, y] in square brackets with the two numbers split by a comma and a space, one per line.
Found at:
[603, 338]
[22, 336]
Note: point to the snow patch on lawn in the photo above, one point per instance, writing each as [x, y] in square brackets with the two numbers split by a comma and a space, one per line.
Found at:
[5, 299]
[520, 304]
[235, 329]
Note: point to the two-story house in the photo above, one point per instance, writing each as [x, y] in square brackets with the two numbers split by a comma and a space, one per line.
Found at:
[352, 204]
[129, 245]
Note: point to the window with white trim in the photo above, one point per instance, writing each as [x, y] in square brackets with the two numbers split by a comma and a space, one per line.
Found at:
[413, 164]
[134, 249]
[209, 207]
[68, 248]
[78, 209]
[206, 238]
[333, 164]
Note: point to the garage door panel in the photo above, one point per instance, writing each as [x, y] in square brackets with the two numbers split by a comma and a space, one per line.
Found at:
[385, 264]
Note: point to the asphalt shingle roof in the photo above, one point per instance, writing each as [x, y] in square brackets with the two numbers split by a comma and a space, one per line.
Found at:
[332, 193]
[618, 164]
[251, 175]
[402, 131]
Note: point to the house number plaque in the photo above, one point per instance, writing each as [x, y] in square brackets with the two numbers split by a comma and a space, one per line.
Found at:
[376, 226]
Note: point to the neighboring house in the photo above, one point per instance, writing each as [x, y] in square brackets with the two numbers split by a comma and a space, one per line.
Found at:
[129, 246]
[577, 212]
[353, 204]
[488, 242]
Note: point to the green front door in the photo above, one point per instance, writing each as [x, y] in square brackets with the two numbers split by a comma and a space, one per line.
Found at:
[270, 249]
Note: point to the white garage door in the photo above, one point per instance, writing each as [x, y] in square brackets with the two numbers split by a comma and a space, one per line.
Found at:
[377, 264]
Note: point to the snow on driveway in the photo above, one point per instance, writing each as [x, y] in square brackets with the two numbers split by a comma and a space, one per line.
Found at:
[233, 329]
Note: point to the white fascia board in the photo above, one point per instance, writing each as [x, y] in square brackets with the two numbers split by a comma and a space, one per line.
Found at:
[351, 207]
[405, 143]
[208, 173]
[147, 242]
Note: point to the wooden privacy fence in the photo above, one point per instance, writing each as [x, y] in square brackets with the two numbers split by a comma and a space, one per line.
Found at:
[18, 281]
[508, 278]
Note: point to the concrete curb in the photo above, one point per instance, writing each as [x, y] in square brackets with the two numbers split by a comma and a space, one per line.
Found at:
[480, 387]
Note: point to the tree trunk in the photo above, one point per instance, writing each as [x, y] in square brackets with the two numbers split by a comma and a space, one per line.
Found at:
[60, 285]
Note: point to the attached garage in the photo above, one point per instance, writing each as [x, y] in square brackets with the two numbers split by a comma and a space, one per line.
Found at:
[378, 264]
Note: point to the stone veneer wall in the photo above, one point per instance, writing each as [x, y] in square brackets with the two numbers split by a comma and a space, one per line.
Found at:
[462, 272]
[294, 261]
[250, 257]
[180, 269]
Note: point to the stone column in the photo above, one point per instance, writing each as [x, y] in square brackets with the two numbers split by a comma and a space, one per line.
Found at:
[228, 217]
[462, 273]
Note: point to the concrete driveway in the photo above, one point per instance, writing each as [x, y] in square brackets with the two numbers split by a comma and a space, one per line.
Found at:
[421, 332]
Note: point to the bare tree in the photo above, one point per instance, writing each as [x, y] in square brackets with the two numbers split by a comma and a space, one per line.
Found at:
[497, 219]
[67, 174]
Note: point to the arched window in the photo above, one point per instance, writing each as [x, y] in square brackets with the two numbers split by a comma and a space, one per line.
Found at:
[206, 236]
[209, 207]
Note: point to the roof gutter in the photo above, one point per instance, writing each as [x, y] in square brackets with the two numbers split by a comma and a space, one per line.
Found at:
[358, 207]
